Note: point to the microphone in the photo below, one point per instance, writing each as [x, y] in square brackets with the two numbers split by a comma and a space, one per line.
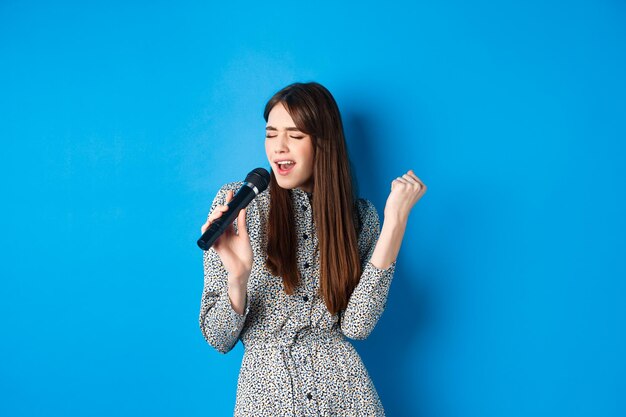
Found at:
[256, 182]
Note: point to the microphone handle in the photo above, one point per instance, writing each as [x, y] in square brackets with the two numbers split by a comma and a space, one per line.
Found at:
[243, 197]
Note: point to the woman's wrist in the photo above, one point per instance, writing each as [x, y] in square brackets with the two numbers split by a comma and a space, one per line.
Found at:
[389, 242]
[238, 281]
[395, 221]
[237, 296]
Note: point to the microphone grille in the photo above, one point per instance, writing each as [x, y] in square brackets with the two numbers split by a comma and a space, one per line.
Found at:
[260, 178]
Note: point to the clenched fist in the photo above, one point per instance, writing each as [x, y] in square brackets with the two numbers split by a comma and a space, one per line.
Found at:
[405, 192]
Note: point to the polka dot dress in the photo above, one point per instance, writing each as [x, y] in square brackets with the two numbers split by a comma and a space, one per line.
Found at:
[297, 360]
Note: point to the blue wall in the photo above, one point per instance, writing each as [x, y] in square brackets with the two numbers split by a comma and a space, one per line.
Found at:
[120, 121]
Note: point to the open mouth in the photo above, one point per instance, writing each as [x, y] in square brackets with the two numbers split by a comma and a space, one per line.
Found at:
[284, 167]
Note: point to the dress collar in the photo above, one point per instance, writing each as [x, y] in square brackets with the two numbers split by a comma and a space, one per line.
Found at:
[299, 192]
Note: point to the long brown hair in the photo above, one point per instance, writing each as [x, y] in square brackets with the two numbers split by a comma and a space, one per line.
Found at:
[315, 113]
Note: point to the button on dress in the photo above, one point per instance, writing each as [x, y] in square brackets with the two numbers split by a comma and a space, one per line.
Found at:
[297, 360]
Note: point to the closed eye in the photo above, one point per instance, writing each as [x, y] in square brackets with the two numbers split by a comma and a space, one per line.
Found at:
[292, 137]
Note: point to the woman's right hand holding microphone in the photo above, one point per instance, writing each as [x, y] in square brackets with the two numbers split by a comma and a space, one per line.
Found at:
[235, 251]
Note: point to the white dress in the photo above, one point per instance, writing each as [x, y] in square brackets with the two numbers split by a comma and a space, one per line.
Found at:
[297, 360]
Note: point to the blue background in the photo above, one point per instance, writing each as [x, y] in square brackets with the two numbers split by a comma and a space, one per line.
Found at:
[120, 120]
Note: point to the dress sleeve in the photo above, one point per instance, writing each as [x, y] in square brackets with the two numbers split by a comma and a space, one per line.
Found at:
[220, 324]
[369, 298]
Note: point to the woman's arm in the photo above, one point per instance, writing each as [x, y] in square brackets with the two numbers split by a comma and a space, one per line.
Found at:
[389, 242]
[224, 305]
[368, 300]
[405, 192]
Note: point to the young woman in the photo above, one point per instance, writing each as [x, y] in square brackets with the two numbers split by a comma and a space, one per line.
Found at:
[304, 267]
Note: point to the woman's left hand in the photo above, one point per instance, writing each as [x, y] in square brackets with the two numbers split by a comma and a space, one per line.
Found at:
[405, 192]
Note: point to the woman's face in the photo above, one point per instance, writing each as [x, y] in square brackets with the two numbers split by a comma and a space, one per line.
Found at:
[289, 151]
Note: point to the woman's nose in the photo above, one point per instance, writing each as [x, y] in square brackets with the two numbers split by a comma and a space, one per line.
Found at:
[281, 144]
